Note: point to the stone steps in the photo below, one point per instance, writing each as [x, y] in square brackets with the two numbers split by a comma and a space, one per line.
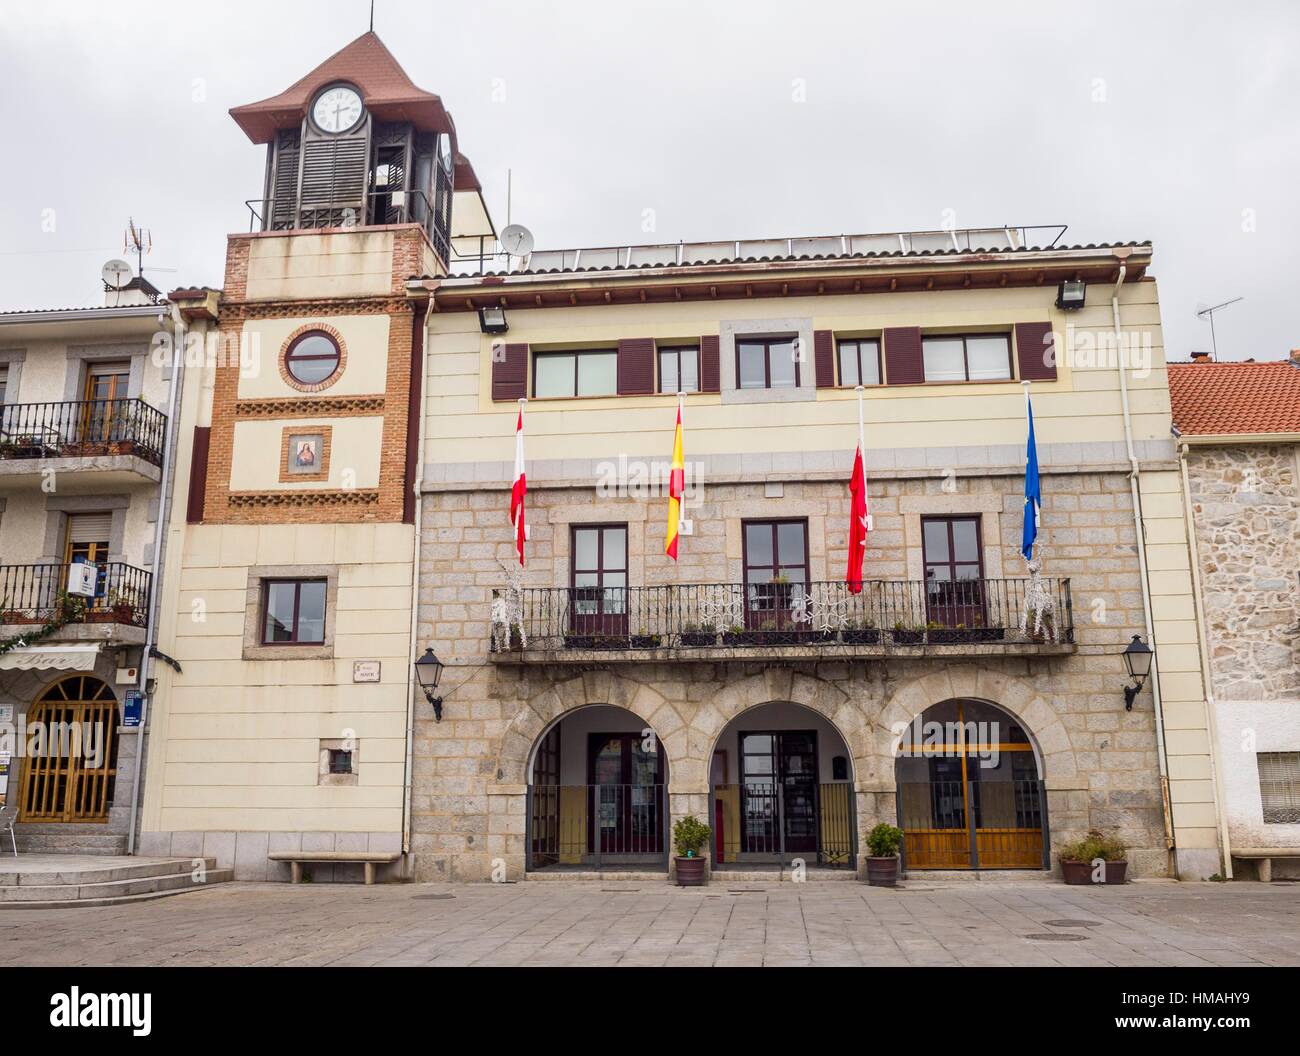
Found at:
[45, 841]
[48, 885]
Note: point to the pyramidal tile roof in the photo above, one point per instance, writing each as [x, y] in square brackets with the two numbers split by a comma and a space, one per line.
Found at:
[1211, 399]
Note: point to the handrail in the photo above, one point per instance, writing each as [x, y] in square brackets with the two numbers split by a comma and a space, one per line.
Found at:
[82, 428]
[36, 593]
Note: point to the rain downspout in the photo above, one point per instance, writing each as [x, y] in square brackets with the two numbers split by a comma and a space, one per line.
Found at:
[1203, 641]
[1133, 478]
[155, 580]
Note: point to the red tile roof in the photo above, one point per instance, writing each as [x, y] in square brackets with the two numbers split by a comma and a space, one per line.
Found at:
[1221, 398]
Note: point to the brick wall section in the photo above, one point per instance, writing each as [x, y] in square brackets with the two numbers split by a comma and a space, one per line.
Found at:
[1246, 511]
[383, 504]
[468, 805]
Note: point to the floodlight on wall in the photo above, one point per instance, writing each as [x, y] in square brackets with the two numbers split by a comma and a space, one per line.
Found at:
[492, 320]
[1071, 294]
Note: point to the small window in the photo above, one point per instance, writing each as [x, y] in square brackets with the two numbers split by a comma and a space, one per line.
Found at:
[312, 357]
[1279, 787]
[679, 369]
[967, 357]
[293, 612]
[585, 372]
[859, 362]
[4, 382]
[767, 363]
[340, 761]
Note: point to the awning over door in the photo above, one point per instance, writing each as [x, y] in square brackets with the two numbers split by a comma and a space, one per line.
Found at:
[50, 658]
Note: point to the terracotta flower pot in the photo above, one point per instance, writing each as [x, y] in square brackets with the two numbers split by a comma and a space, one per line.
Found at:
[690, 871]
[882, 872]
[1080, 873]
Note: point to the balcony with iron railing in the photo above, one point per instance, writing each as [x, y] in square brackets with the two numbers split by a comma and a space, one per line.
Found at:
[32, 596]
[126, 430]
[779, 619]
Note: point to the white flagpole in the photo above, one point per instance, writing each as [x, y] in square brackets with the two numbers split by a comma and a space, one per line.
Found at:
[862, 444]
[681, 503]
[522, 466]
[1025, 385]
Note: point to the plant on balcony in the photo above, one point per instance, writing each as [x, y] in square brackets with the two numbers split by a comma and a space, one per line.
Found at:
[907, 633]
[643, 639]
[860, 632]
[689, 837]
[699, 635]
[1079, 860]
[736, 635]
[595, 641]
[68, 608]
[882, 855]
[976, 632]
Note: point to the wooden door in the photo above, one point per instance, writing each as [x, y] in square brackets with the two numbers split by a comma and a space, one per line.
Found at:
[71, 773]
[954, 571]
[106, 390]
[599, 580]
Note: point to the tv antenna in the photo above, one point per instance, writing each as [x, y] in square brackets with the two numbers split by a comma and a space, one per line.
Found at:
[1208, 313]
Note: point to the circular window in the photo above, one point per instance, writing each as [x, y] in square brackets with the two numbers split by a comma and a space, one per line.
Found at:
[312, 357]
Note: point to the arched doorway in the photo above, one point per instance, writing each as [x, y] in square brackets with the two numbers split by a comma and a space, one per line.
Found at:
[71, 753]
[970, 790]
[597, 793]
[781, 781]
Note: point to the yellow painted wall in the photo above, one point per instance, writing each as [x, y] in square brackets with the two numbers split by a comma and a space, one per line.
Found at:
[365, 373]
[341, 263]
[354, 456]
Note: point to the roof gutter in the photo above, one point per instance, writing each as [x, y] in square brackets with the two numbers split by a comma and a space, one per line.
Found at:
[72, 315]
[1221, 439]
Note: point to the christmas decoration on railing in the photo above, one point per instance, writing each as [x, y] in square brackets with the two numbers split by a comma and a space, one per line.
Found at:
[508, 609]
[825, 611]
[67, 609]
[1039, 617]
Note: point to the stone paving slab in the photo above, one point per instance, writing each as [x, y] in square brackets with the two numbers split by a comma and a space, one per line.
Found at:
[1137, 925]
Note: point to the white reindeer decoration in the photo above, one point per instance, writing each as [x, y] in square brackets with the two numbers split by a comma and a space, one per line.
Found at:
[508, 609]
[1040, 606]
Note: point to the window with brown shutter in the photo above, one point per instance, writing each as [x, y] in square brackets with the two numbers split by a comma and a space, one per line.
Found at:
[903, 362]
[824, 358]
[198, 474]
[710, 369]
[509, 371]
[636, 366]
[1036, 351]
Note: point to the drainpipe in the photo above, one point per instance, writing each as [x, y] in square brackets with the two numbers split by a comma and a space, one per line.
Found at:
[413, 646]
[1133, 479]
[155, 580]
[1203, 642]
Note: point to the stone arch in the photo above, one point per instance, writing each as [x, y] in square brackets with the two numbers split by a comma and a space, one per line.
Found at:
[552, 703]
[846, 715]
[1012, 695]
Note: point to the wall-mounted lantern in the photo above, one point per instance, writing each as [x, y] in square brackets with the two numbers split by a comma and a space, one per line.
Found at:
[428, 673]
[1137, 658]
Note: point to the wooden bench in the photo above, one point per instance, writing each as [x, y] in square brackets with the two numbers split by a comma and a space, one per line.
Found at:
[369, 859]
[1263, 858]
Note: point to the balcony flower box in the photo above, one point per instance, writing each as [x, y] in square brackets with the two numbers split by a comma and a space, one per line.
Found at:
[861, 635]
[595, 641]
[737, 638]
[646, 641]
[907, 635]
[965, 635]
[699, 638]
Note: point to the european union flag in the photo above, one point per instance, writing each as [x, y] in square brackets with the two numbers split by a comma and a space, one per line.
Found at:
[1033, 490]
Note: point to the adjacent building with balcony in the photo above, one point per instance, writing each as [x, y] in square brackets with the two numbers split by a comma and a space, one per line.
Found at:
[744, 683]
[1239, 441]
[82, 434]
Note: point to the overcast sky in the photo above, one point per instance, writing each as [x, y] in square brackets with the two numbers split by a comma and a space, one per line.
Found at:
[1126, 121]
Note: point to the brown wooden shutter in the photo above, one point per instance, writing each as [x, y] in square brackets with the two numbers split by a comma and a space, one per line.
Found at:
[824, 356]
[1036, 351]
[710, 353]
[903, 362]
[198, 474]
[509, 371]
[636, 366]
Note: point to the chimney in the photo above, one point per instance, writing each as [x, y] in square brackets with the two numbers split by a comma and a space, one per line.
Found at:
[1200, 357]
[138, 291]
[1295, 357]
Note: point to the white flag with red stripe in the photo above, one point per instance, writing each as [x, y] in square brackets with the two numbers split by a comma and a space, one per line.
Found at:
[520, 487]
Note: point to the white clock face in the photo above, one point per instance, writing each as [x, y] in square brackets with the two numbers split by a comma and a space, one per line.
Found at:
[337, 109]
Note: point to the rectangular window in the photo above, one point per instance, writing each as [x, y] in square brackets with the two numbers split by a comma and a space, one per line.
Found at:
[967, 357]
[679, 369]
[582, 372]
[340, 761]
[766, 363]
[859, 362]
[4, 383]
[293, 612]
[954, 569]
[599, 577]
[776, 560]
[1279, 787]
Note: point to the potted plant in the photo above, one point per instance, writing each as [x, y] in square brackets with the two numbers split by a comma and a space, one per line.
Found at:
[737, 635]
[689, 837]
[643, 639]
[1080, 859]
[861, 632]
[699, 635]
[882, 855]
[907, 634]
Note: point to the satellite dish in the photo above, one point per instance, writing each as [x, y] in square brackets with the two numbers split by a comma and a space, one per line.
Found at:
[517, 240]
[116, 273]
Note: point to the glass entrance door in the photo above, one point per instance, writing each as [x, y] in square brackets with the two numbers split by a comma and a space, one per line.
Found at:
[627, 794]
[778, 776]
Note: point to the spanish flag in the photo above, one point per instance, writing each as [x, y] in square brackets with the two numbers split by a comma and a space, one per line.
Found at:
[676, 488]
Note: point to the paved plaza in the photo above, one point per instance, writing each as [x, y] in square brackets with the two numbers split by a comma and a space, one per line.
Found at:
[629, 923]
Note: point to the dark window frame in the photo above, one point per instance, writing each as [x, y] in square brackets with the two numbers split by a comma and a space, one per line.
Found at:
[601, 621]
[577, 354]
[291, 356]
[678, 351]
[965, 358]
[859, 342]
[777, 609]
[336, 763]
[767, 342]
[297, 603]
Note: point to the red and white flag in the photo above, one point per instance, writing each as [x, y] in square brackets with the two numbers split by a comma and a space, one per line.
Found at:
[520, 487]
[859, 524]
